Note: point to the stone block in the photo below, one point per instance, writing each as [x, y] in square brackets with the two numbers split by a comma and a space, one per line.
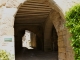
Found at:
[8, 20]
[60, 33]
[10, 11]
[12, 3]
[3, 2]
[1, 30]
[1, 12]
[6, 30]
[1, 39]
[10, 31]
[69, 56]
[60, 59]
[61, 44]
[62, 56]
[21, 1]
[61, 50]
[60, 38]
[61, 27]
[64, 32]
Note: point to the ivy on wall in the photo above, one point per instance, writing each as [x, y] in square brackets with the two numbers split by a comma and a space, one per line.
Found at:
[73, 24]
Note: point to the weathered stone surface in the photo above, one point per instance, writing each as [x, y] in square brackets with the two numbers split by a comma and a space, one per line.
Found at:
[60, 38]
[10, 11]
[61, 50]
[61, 44]
[1, 11]
[14, 3]
[60, 33]
[10, 31]
[7, 20]
[54, 15]
[62, 56]
[5, 30]
[21, 1]
[61, 59]
[1, 40]
[2, 2]
[1, 30]
[64, 5]
[69, 56]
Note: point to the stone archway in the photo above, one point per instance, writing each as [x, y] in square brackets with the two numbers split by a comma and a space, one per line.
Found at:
[7, 21]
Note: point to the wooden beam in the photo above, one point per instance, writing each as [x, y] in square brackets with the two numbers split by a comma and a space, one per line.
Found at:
[29, 16]
[26, 13]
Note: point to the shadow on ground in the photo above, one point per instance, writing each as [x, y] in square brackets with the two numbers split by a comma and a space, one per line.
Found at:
[26, 54]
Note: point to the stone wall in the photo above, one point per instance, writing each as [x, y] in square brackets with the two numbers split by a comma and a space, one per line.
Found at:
[9, 8]
[47, 35]
[64, 49]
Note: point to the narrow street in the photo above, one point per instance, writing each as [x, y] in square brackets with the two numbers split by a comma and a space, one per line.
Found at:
[36, 55]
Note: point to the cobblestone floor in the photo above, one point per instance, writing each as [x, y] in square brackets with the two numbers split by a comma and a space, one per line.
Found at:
[36, 55]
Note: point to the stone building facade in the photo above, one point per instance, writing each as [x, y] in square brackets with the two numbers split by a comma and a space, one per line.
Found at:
[10, 8]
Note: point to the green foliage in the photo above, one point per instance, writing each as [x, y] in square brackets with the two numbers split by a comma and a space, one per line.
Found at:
[73, 24]
[4, 55]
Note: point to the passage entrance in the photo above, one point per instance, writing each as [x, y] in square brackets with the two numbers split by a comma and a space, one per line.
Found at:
[33, 17]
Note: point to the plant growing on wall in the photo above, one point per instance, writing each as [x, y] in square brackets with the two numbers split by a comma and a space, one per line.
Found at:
[73, 24]
[4, 55]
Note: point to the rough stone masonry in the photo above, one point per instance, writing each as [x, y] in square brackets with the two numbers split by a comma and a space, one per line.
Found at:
[9, 8]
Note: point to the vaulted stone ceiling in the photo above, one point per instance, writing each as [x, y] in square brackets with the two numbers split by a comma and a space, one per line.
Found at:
[33, 12]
